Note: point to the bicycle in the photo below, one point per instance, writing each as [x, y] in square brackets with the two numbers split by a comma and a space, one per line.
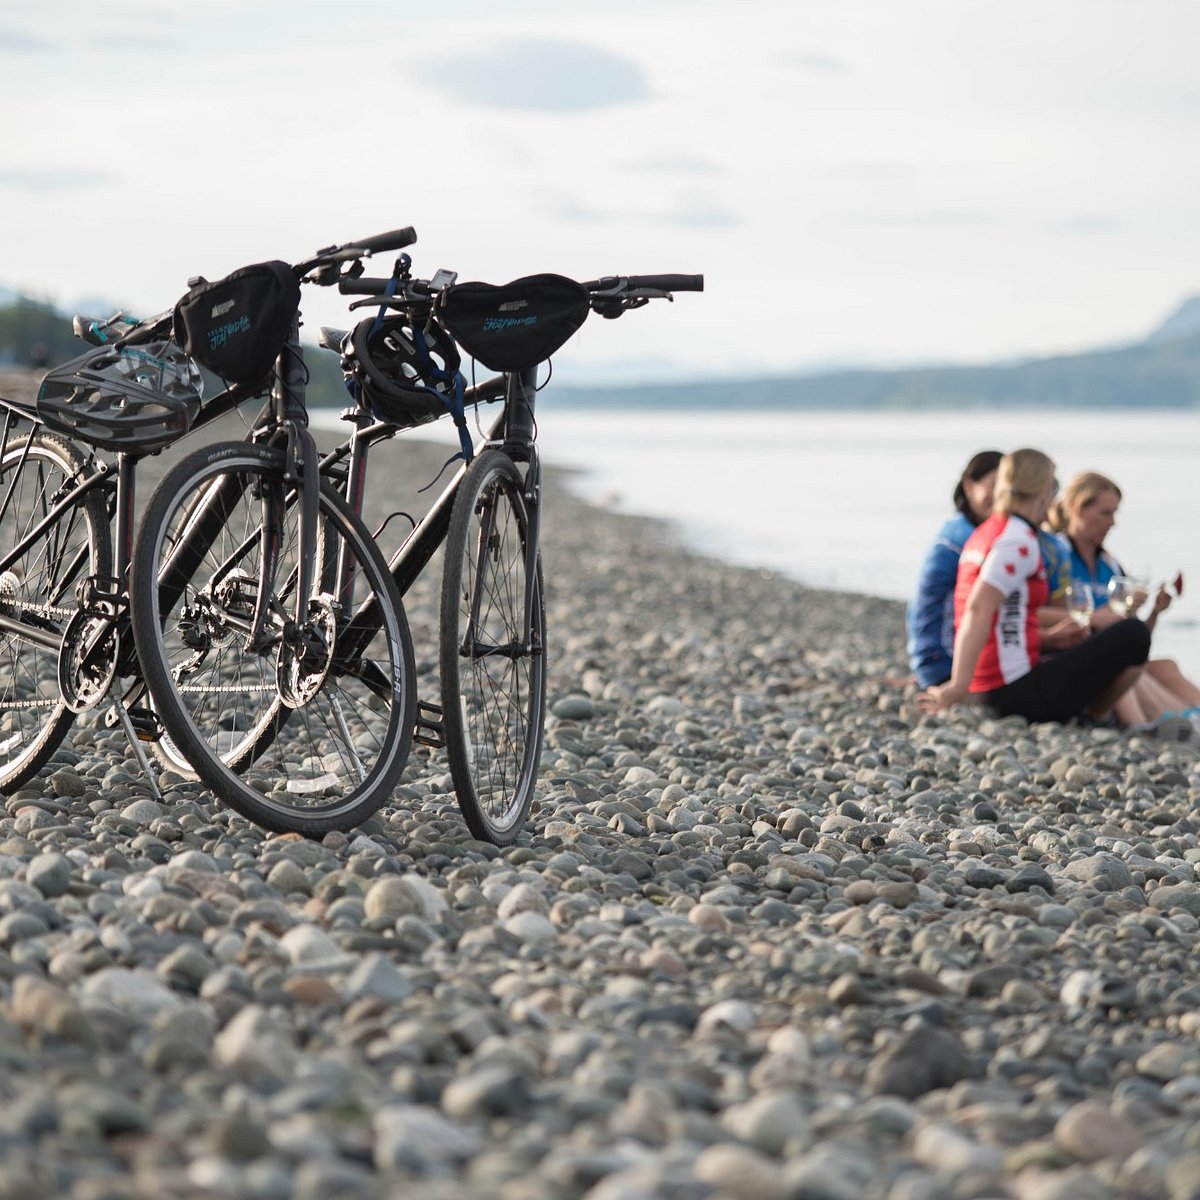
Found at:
[63, 617]
[62, 654]
[403, 370]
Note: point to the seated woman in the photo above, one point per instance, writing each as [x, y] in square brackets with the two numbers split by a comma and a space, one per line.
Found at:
[1000, 589]
[1083, 518]
[931, 613]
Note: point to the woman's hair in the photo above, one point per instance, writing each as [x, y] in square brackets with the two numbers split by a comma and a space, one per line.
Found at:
[1086, 488]
[1023, 475]
[983, 463]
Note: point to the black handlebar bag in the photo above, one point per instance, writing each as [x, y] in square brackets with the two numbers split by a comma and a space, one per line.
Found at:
[513, 326]
[237, 326]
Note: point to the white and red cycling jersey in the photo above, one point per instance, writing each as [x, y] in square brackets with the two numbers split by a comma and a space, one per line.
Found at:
[1005, 553]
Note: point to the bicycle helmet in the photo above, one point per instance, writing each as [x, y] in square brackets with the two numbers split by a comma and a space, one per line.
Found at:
[405, 372]
[123, 398]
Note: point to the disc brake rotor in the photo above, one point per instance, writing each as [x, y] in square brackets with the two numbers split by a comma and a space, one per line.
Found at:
[306, 655]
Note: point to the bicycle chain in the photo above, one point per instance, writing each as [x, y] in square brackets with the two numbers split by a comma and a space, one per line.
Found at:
[226, 691]
[39, 610]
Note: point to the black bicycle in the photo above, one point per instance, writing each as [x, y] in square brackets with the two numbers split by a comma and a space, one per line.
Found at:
[64, 621]
[247, 572]
[403, 369]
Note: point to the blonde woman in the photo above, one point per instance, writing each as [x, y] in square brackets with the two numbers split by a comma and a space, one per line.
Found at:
[1083, 518]
[1001, 586]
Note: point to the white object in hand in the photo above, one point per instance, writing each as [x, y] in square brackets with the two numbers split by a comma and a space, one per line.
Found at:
[1080, 605]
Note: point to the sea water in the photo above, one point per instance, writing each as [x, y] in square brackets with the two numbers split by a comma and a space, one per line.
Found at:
[851, 502]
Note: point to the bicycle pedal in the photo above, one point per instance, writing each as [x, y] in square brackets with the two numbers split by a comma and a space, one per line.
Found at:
[428, 730]
[145, 724]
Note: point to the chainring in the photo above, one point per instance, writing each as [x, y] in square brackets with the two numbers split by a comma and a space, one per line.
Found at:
[87, 659]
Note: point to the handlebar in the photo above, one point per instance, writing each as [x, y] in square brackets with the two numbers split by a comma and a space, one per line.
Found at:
[605, 294]
[617, 284]
[381, 243]
[324, 268]
[365, 285]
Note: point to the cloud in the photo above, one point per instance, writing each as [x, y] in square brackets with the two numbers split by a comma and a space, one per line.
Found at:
[703, 217]
[34, 179]
[1084, 223]
[872, 170]
[540, 75]
[13, 41]
[886, 218]
[823, 64]
[688, 215]
[677, 165]
[136, 42]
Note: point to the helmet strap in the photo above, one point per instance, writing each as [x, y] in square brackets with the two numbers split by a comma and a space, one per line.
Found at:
[454, 403]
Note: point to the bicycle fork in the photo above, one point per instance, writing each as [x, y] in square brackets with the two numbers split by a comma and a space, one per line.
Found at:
[487, 544]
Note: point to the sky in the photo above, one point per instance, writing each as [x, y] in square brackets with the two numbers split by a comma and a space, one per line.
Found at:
[860, 181]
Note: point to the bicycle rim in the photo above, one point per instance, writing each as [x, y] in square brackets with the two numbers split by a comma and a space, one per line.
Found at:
[37, 594]
[493, 682]
[287, 730]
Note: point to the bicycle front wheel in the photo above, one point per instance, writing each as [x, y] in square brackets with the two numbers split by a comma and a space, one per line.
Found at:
[493, 662]
[301, 726]
[44, 555]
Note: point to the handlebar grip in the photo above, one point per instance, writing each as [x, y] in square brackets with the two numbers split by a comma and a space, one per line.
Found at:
[396, 239]
[364, 285]
[668, 283]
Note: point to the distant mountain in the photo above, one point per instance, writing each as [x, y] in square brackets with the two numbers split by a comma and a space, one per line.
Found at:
[1163, 371]
[1183, 322]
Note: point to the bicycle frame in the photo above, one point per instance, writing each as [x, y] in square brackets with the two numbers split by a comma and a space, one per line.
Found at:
[513, 429]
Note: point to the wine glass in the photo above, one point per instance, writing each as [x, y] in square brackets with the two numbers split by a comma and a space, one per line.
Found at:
[1126, 594]
[1079, 604]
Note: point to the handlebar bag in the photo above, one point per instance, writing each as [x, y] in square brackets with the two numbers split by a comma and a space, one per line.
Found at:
[516, 325]
[237, 326]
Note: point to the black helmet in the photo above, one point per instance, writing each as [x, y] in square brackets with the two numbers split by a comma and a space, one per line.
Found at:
[406, 372]
[127, 398]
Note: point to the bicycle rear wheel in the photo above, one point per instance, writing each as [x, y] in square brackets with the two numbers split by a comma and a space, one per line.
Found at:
[37, 592]
[321, 729]
[493, 680]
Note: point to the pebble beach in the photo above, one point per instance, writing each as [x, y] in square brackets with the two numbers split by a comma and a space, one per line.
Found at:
[769, 935]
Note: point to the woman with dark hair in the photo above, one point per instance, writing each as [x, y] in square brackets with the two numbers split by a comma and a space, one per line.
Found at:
[931, 613]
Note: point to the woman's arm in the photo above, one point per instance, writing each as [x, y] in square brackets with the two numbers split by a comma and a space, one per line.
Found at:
[973, 634]
[927, 655]
[1057, 630]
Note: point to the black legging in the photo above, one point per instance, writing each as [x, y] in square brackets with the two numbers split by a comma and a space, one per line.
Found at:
[1061, 687]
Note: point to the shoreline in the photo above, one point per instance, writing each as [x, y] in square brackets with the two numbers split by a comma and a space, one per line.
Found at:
[766, 936]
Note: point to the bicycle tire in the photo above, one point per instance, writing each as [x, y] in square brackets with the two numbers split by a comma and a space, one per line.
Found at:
[38, 591]
[322, 740]
[493, 686]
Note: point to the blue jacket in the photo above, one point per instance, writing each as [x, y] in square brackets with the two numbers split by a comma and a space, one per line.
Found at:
[931, 612]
